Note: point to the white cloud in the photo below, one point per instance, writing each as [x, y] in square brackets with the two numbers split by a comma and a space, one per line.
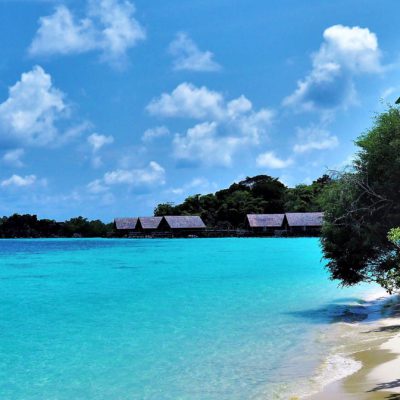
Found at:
[189, 57]
[270, 160]
[13, 158]
[153, 174]
[108, 27]
[19, 181]
[155, 133]
[201, 144]
[96, 187]
[31, 110]
[97, 141]
[224, 127]
[195, 184]
[314, 138]
[353, 47]
[187, 100]
[345, 53]
[60, 33]
[238, 106]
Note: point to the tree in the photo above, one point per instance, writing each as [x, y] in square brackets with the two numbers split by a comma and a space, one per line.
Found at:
[362, 206]
[227, 208]
[303, 198]
[164, 209]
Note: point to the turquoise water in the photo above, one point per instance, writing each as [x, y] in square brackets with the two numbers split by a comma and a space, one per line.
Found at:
[161, 319]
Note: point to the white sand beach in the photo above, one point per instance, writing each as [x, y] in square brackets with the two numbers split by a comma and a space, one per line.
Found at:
[376, 346]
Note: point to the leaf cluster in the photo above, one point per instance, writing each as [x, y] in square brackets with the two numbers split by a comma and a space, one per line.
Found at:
[362, 206]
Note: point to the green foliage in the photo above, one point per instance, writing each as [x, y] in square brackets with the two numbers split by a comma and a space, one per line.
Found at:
[227, 208]
[303, 198]
[362, 206]
[164, 209]
[394, 236]
[20, 226]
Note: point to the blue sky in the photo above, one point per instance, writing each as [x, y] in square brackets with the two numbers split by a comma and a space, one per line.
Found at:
[108, 107]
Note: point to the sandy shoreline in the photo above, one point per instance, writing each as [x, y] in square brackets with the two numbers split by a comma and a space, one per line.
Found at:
[375, 345]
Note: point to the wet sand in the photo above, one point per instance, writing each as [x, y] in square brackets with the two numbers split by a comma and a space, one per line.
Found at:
[377, 347]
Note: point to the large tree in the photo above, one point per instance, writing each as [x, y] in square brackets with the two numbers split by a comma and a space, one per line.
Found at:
[361, 207]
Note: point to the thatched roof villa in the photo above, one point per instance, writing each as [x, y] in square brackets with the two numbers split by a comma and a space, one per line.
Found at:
[184, 222]
[265, 222]
[148, 224]
[182, 225]
[125, 224]
[305, 219]
[305, 222]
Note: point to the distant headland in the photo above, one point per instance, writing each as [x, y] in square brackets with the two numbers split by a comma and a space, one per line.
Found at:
[256, 206]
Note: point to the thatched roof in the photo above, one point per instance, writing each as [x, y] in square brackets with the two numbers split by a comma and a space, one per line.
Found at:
[125, 223]
[150, 222]
[184, 222]
[305, 219]
[265, 220]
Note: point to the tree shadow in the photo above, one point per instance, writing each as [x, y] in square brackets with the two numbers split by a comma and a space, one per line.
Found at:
[394, 396]
[389, 328]
[386, 386]
[348, 310]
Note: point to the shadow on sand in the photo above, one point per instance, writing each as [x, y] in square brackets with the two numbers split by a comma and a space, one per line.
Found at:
[387, 386]
[350, 310]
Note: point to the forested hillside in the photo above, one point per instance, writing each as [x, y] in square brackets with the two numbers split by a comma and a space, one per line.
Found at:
[20, 226]
[227, 208]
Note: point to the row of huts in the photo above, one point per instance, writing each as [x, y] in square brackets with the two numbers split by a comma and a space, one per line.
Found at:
[158, 226]
[297, 224]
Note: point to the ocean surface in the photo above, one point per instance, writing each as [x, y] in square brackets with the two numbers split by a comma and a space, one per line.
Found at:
[163, 319]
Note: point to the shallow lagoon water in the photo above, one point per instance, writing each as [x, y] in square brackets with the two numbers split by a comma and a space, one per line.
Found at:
[162, 319]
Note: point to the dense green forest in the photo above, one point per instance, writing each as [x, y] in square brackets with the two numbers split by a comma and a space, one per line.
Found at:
[227, 208]
[30, 226]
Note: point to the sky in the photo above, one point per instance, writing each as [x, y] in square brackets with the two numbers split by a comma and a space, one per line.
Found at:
[109, 107]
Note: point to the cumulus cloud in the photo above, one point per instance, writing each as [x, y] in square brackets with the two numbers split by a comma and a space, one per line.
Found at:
[189, 57]
[201, 144]
[345, 53]
[20, 181]
[31, 110]
[187, 100]
[60, 33]
[97, 141]
[153, 174]
[270, 160]
[13, 158]
[314, 138]
[150, 176]
[108, 27]
[155, 133]
[223, 127]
